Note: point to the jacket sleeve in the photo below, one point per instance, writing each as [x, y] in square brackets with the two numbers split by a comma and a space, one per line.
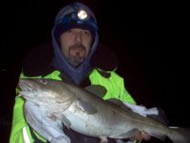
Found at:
[114, 85]
[20, 132]
[126, 97]
[124, 94]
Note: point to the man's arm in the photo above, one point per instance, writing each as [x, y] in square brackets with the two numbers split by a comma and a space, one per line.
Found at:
[20, 131]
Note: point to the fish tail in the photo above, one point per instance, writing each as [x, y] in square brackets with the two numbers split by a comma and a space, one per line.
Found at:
[180, 135]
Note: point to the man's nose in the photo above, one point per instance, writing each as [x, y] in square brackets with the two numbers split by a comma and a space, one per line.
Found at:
[78, 36]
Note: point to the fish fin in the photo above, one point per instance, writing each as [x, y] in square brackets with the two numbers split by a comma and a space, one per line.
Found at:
[66, 122]
[118, 103]
[87, 107]
[42, 124]
[130, 133]
[161, 117]
[182, 135]
[98, 90]
[155, 113]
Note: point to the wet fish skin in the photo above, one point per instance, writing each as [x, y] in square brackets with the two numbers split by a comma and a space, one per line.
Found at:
[88, 114]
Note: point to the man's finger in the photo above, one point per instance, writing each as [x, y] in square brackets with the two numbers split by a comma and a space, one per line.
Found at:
[145, 136]
[138, 136]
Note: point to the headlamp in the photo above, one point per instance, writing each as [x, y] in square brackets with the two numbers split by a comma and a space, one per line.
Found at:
[76, 18]
[82, 15]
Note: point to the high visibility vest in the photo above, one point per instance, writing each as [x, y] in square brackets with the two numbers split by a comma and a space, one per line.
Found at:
[20, 132]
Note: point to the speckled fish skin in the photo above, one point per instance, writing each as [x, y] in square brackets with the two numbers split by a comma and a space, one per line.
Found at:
[88, 114]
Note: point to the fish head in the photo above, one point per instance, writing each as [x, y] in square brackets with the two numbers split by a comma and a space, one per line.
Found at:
[43, 90]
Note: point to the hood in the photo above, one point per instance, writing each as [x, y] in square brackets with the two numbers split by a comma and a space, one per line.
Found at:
[66, 19]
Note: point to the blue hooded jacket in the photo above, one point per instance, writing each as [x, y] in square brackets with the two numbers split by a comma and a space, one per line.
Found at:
[67, 19]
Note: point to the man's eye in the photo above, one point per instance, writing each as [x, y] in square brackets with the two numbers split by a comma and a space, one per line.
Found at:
[86, 33]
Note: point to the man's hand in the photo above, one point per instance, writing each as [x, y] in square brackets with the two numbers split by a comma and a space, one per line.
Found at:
[141, 136]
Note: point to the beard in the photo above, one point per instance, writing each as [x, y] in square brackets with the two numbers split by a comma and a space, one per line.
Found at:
[75, 61]
[76, 55]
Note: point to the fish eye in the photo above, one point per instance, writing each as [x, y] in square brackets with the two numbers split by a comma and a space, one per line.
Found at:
[43, 81]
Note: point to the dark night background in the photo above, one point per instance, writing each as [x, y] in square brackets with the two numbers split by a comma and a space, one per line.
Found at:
[138, 34]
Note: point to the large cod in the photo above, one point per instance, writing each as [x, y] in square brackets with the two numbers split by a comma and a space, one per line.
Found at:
[52, 103]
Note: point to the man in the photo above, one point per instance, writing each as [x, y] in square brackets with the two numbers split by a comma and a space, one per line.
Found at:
[74, 41]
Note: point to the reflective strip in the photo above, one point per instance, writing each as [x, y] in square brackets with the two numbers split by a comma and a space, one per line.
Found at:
[25, 135]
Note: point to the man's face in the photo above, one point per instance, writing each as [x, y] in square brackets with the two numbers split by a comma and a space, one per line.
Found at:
[75, 45]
